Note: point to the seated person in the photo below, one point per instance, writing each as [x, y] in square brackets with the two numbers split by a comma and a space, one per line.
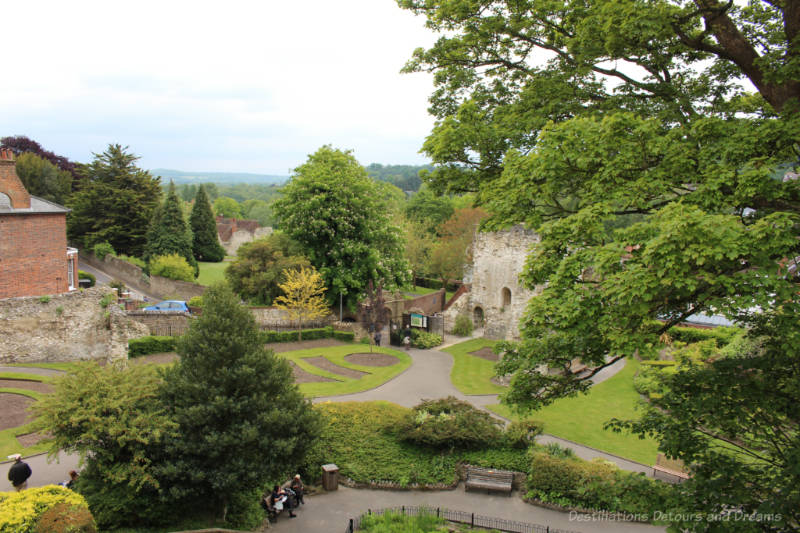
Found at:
[280, 499]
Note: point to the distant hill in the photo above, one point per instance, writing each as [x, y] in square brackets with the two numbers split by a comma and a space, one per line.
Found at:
[179, 176]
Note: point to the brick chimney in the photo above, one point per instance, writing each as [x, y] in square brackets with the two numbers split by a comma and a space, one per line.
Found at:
[10, 184]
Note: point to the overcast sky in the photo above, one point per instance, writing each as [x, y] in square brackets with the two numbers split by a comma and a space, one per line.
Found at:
[235, 86]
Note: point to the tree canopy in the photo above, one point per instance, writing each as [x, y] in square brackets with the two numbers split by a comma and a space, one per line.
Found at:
[334, 210]
[43, 179]
[168, 232]
[629, 137]
[242, 421]
[259, 268]
[115, 203]
[205, 240]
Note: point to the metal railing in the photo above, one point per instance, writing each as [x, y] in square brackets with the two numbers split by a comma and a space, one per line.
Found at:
[460, 517]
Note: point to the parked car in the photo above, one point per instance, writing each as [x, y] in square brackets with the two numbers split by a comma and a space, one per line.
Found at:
[170, 306]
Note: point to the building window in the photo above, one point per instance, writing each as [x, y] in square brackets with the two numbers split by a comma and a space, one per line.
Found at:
[506, 296]
[477, 317]
[72, 263]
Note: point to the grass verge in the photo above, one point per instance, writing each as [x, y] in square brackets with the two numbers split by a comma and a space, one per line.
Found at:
[375, 375]
[472, 374]
[210, 273]
[581, 418]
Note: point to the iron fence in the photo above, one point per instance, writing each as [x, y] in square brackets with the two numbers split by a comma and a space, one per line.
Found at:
[168, 330]
[460, 517]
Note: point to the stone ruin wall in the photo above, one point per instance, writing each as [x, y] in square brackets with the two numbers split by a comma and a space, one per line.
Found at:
[69, 327]
[498, 260]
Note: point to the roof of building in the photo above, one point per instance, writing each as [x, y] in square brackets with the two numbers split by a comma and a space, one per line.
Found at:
[38, 206]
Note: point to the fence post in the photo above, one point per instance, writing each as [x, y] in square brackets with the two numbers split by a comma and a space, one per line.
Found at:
[404, 510]
[472, 523]
[351, 526]
[437, 512]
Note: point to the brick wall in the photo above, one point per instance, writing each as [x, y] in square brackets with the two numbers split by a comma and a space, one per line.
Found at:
[33, 255]
[428, 304]
[10, 184]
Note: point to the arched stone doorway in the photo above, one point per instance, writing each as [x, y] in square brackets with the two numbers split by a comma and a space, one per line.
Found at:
[477, 317]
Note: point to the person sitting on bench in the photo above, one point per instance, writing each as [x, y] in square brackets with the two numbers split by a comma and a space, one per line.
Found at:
[280, 499]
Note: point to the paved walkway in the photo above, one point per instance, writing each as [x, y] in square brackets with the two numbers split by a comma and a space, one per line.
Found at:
[332, 511]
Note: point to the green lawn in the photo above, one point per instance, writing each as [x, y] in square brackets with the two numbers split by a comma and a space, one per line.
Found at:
[377, 375]
[422, 291]
[210, 273]
[472, 374]
[580, 419]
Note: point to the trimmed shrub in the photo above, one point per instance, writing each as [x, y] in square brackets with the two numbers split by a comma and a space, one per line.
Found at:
[21, 512]
[151, 344]
[449, 423]
[345, 336]
[196, 301]
[723, 335]
[133, 260]
[85, 275]
[463, 326]
[521, 434]
[172, 266]
[425, 340]
[102, 249]
[65, 518]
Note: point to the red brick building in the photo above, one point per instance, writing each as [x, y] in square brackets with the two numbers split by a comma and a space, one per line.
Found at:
[34, 258]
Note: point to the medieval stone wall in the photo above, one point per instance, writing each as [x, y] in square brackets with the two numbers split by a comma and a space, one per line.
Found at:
[497, 299]
[68, 327]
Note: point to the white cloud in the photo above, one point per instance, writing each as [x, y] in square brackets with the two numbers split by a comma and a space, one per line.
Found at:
[237, 86]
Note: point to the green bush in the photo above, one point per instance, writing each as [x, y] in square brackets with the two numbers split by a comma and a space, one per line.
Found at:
[308, 334]
[106, 300]
[44, 299]
[394, 522]
[424, 340]
[723, 335]
[558, 451]
[22, 512]
[463, 326]
[151, 344]
[85, 275]
[364, 340]
[345, 336]
[365, 440]
[102, 249]
[172, 266]
[596, 484]
[133, 260]
[658, 363]
[65, 518]
[196, 301]
[522, 433]
[449, 422]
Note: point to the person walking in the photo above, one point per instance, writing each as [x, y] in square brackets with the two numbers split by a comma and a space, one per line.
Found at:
[378, 338]
[19, 473]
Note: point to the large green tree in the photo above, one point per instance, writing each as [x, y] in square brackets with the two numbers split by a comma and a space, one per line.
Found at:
[205, 240]
[169, 233]
[242, 421]
[115, 202]
[42, 178]
[334, 210]
[629, 136]
[260, 265]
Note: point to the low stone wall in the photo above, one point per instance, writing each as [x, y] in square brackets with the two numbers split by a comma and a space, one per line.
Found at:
[428, 304]
[133, 276]
[165, 324]
[67, 327]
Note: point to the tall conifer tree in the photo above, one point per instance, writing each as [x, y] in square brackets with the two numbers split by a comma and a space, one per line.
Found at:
[242, 421]
[205, 241]
[168, 232]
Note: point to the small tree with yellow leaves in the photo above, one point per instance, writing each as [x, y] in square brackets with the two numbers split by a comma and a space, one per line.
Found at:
[303, 297]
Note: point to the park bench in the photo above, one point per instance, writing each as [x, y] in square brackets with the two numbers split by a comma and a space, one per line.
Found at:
[489, 479]
[672, 467]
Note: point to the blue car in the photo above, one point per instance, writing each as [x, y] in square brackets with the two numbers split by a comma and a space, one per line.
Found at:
[173, 306]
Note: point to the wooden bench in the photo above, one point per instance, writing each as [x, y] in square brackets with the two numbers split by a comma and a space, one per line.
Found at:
[489, 479]
[672, 467]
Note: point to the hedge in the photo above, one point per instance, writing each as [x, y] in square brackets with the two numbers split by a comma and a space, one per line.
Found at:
[308, 334]
[658, 363]
[151, 344]
[433, 283]
[85, 275]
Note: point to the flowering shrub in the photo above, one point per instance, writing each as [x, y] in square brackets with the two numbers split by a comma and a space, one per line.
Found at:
[21, 512]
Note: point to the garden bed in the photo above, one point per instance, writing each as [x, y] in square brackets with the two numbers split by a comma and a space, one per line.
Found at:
[372, 359]
[486, 353]
[324, 364]
[26, 384]
[301, 376]
[14, 412]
